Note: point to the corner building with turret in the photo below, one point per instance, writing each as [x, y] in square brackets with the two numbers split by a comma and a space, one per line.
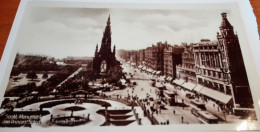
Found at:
[220, 71]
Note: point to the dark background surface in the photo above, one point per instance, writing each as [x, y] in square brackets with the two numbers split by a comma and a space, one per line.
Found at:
[8, 10]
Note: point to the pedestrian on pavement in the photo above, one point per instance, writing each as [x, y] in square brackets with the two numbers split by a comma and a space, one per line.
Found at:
[183, 104]
[181, 119]
[168, 122]
[174, 112]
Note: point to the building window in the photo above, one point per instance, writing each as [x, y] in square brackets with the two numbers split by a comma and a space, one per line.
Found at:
[219, 74]
[200, 81]
[205, 83]
[214, 73]
[225, 76]
[210, 85]
[203, 59]
[217, 60]
[221, 87]
[209, 73]
[228, 90]
[216, 86]
[207, 60]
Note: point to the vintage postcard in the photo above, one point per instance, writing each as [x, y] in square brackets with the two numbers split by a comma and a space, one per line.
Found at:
[85, 65]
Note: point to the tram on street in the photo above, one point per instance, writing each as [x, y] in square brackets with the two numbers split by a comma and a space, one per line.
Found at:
[198, 104]
[204, 116]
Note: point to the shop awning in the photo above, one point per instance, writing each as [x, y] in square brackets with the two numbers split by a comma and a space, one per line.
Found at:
[170, 93]
[159, 85]
[162, 78]
[189, 85]
[144, 68]
[198, 88]
[169, 86]
[140, 66]
[150, 70]
[178, 81]
[154, 71]
[158, 72]
[216, 95]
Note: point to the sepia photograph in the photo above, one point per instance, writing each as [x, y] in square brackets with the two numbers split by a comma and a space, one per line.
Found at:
[87, 66]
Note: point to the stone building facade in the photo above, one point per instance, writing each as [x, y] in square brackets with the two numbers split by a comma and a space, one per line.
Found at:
[148, 57]
[209, 62]
[141, 53]
[157, 60]
[172, 58]
[187, 69]
[220, 70]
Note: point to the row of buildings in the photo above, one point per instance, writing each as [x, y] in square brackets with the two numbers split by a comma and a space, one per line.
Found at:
[212, 69]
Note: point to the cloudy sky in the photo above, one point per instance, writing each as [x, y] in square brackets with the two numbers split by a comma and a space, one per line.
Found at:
[61, 32]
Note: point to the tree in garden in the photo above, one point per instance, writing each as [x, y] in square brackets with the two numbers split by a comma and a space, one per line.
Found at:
[45, 75]
[103, 82]
[84, 84]
[6, 101]
[114, 74]
[30, 87]
[15, 72]
[91, 76]
[45, 88]
[90, 64]
[32, 75]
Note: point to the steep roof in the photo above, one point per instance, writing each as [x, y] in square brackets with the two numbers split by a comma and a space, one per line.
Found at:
[225, 23]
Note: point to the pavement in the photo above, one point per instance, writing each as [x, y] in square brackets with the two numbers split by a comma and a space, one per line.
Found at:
[144, 88]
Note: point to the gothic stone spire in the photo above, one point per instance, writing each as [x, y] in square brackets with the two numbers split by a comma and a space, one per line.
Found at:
[114, 50]
[106, 40]
[96, 52]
